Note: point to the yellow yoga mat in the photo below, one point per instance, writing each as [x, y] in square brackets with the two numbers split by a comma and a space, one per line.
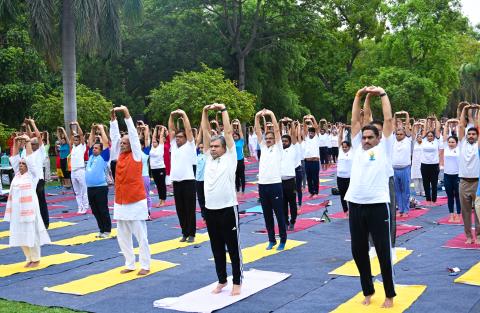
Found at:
[406, 295]
[4, 247]
[350, 269]
[324, 180]
[110, 278]
[172, 244]
[257, 252]
[46, 261]
[471, 277]
[55, 225]
[82, 239]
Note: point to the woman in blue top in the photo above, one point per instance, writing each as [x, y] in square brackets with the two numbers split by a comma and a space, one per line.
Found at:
[239, 142]
[64, 151]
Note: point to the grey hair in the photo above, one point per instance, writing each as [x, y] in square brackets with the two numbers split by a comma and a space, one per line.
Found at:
[222, 140]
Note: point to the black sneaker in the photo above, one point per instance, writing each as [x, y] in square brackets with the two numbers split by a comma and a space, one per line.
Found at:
[190, 239]
[291, 227]
[183, 239]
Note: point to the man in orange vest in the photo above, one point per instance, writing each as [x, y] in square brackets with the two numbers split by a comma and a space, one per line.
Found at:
[130, 208]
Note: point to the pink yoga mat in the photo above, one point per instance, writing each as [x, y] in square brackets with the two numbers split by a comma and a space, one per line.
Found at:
[61, 199]
[413, 214]
[301, 224]
[402, 229]
[459, 243]
[323, 187]
[56, 207]
[68, 215]
[440, 201]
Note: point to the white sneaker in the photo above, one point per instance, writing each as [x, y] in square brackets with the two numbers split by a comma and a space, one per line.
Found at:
[99, 235]
[104, 235]
[394, 254]
[372, 253]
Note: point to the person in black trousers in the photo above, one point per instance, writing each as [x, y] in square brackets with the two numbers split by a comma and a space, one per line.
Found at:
[270, 180]
[221, 204]
[368, 196]
[183, 150]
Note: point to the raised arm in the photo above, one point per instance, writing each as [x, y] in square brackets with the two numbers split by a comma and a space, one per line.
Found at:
[293, 132]
[463, 123]
[437, 128]
[36, 132]
[205, 127]
[356, 121]
[258, 127]
[227, 127]
[340, 135]
[171, 126]
[146, 135]
[276, 128]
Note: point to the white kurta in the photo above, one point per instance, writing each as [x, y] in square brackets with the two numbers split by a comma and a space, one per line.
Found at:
[25, 232]
[416, 161]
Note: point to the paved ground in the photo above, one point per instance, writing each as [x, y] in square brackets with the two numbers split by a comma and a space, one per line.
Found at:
[309, 289]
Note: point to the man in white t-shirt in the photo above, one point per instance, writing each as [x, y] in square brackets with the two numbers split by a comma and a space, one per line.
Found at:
[77, 162]
[401, 162]
[270, 179]
[469, 168]
[311, 147]
[182, 147]
[221, 206]
[290, 159]
[368, 196]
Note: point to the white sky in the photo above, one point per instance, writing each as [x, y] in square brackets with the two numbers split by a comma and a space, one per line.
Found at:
[471, 8]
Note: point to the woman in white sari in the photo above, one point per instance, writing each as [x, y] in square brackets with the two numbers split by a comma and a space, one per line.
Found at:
[23, 212]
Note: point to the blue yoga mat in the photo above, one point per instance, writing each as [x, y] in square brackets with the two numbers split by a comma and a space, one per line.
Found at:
[255, 209]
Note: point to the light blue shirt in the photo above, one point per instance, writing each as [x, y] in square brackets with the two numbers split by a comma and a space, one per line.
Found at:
[201, 159]
[239, 146]
[96, 166]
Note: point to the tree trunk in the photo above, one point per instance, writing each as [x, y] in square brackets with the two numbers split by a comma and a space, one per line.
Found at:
[241, 71]
[68, 64]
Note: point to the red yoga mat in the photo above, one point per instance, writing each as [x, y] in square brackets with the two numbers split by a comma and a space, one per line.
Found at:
[309, 208]
[61, 199]
[301, 224]
[413, 214]
[162, 213]
[444, 220]
[402, 229]
[458, 242]
[339, 215]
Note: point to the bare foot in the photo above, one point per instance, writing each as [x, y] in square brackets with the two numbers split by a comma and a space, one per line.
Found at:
[451, 219]
[366, 301]
[346, 214]
[405, 215]
[388, 303]
[469, 241]
[219, 288]
[126, 270]
[27, 264]
[236, 290]
[162, 202]
[143, 272]
[34, 264]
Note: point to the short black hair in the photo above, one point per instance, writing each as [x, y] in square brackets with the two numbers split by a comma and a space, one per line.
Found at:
[347, 143]
[473, 129]
[100, 144]
[372, 128]
[311, 130]
[288, 138]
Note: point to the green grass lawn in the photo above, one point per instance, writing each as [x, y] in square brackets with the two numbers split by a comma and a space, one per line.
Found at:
[21, 307]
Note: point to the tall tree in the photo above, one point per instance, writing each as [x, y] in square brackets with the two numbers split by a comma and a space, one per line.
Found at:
[91, 25]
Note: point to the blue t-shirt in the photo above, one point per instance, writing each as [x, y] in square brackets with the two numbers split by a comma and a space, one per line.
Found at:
[96, 167]
[239, 146]
[201, 161]
[64, 151]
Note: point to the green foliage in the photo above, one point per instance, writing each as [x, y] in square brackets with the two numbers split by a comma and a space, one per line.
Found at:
[407, 91]
[23, 73]
[191, 91]
[91, 105]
